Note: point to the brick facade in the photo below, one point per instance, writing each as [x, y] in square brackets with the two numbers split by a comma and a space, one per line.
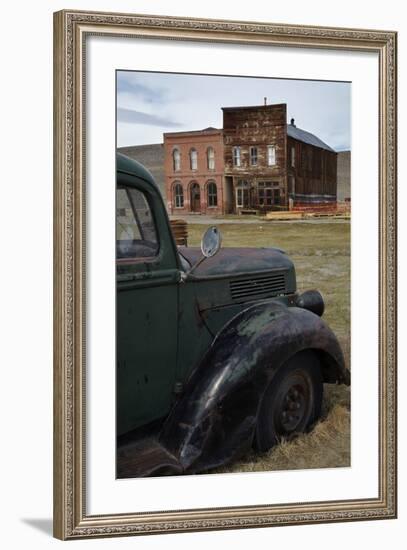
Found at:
[194, 168]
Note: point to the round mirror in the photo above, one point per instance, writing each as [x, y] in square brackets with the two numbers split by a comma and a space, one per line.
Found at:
[211, 241]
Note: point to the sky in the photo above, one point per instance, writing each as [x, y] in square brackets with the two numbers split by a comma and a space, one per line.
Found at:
[149, 104]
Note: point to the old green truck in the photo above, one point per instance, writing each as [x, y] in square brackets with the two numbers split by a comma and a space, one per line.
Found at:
[217, 352]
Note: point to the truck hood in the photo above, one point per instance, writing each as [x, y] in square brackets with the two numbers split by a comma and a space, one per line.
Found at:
[234, 261]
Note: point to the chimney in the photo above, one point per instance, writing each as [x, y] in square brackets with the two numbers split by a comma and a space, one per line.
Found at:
[265, 101]
[292, 122]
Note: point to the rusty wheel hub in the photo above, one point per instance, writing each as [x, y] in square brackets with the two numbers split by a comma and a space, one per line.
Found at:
[293, 408]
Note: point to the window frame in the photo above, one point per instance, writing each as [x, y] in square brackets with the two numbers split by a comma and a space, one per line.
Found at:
[237, 156]
[210, 156]
[138, 259]
[254, 156]
[193, 154]
[271, 149]
[242, 187]
[210, 195]
[265, 193]
[175, 185]
[174, 163]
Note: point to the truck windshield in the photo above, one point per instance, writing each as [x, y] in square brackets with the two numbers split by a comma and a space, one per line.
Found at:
[136, 236]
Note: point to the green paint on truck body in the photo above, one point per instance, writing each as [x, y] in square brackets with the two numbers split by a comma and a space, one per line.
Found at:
[168, 320]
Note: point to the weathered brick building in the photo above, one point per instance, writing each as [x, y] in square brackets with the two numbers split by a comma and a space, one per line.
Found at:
[194, 171]
[257, 162]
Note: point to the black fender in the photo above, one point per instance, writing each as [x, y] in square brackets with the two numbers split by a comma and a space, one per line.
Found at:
[215, 419]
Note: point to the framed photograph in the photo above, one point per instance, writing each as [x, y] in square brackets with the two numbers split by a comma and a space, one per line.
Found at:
[225, 274]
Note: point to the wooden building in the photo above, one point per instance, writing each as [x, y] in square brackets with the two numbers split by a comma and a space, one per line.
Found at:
[272, 165]
[311, 170]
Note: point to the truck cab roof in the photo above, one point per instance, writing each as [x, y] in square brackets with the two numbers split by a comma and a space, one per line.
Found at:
[134, 168]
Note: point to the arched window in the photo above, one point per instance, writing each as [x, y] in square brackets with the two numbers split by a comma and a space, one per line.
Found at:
[178, 196]
[211, 158]
[212, 194]
[176, 160]
[193, 158]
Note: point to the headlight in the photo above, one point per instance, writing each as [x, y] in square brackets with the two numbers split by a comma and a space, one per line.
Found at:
[313, 301]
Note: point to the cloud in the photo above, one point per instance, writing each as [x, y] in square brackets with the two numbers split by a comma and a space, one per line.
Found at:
[127, 84]
[129, 116]
[193, 102]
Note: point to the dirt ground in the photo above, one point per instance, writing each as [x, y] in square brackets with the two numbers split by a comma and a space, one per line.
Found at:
[321, 254]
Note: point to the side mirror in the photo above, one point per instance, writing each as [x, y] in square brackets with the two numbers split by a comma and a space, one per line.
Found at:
[211, 241]
[210, 245]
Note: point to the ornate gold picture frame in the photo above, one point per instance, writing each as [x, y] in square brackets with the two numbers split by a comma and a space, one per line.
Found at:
[72, 519]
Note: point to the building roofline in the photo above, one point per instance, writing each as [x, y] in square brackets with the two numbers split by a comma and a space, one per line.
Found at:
[142, 145]
[298, 134]
[247, 107]
[212, 131]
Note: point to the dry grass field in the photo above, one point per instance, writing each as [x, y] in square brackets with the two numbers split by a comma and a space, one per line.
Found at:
[321, 254]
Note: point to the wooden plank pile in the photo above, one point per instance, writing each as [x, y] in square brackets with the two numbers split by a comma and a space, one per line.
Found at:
[285, 215]
[180, 231]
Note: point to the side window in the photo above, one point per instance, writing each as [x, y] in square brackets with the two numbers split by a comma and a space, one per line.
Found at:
[136, 236]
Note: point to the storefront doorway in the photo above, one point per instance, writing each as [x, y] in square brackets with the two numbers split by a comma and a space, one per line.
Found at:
[195, 198]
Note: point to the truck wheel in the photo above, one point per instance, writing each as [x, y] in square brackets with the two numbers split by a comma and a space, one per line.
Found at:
[291, 402]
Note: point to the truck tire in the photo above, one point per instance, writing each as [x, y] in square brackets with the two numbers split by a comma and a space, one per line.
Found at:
[292, 401]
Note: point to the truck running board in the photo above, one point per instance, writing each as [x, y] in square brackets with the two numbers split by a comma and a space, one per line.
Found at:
[146, 458]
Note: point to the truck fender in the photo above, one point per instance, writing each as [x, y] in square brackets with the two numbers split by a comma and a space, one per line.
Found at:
[215, 418]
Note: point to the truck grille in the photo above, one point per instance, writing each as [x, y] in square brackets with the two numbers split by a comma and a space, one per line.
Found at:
[258, 287]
